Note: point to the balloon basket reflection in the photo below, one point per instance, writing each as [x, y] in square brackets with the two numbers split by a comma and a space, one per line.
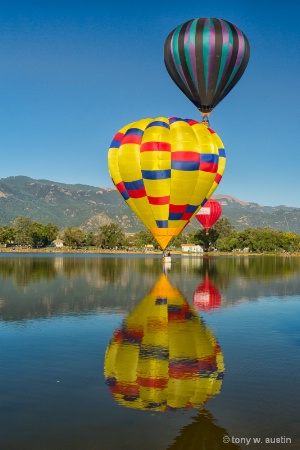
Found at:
[163, 357]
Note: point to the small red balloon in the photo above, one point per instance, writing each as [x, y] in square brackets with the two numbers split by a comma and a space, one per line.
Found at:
[209, 214]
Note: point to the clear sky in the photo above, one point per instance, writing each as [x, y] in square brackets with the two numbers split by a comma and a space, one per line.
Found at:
[72, 73]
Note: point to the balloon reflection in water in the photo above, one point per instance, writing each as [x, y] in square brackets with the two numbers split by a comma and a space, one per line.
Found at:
[206, 296]
[163, 357]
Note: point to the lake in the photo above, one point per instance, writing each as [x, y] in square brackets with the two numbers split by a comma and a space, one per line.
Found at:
[119, 352]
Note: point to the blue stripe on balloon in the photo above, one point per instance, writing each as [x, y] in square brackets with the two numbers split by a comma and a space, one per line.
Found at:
[132, 185]
[175, 119]
[125, 195]
[158, 123]
[175, 216]
[135, 132]
[206, 157]
[115, 143]
[162, 223]
[185, 165]
[191, 208]
[156, 174]
[222, 152]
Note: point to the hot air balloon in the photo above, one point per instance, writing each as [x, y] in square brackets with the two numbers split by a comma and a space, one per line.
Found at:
[165, 169]
[205, 58]
[164, 357]
[206, 296]
[209, 214]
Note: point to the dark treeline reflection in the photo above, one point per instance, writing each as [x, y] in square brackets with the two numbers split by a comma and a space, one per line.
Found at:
[200, 432]
[42, 286]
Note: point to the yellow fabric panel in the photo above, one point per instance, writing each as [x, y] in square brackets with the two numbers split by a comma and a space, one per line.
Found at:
[129, 158]
[155, 160]
[181, 145]
[222, 165]
[202, 189]
[160, 212]
[133, 175]
[177, 224]
[188, 177]
[212, 190]
[153, 395]
[162, 239]
[157, 188]
[156, 134]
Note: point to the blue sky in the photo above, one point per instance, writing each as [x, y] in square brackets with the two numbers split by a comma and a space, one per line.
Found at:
[72, 73]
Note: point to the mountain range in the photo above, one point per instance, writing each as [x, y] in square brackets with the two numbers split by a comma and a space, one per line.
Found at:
[89, 207]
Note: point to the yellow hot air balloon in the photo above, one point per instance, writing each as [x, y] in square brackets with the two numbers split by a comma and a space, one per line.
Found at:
[165, 169]
[164, 356]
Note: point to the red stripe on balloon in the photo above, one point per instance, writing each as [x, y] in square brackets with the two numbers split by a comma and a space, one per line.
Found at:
[185, 156]
[160, 383]
[137, 193]
[159, 200]
[121, 187]
[155, 147]
[177, 208]
[218, 178]
[131, 139]
[192, 122]
[208, 167]
[119, 136]
[187, 216]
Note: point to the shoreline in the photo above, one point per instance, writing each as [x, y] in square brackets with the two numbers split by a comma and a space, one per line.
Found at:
[136, 252]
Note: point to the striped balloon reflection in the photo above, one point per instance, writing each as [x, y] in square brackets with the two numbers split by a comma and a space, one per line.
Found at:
[163, 357]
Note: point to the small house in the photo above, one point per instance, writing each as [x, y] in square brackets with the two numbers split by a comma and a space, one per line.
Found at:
[149, 248]
[58, 243]
[191, 248]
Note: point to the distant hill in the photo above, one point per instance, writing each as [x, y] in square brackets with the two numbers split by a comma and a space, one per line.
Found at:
[89, 207]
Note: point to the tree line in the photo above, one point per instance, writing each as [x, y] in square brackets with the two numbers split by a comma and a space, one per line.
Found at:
[222, 237]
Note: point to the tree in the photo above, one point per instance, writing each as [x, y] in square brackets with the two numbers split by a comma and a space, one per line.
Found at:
[223, 227]
[7, 235]
[89, 238]
[23, 231]
[143, 238]
[111, 235]
[176, 241]
[73, 237]
[50, 232]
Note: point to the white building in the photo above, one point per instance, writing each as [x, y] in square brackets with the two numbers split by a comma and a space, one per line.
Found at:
[149, 248]
[191, 248]
[58, 243]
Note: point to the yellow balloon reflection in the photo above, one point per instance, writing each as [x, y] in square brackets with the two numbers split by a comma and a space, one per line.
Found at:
[163, 357]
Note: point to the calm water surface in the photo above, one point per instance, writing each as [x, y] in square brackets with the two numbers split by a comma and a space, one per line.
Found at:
[119, 352]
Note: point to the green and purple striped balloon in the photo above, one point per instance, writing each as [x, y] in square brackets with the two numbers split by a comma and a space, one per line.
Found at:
[205, 58]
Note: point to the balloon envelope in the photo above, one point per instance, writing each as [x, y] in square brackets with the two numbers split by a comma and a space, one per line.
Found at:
[209, 214]
[205, 58]
[165, 169]
[164, 356]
